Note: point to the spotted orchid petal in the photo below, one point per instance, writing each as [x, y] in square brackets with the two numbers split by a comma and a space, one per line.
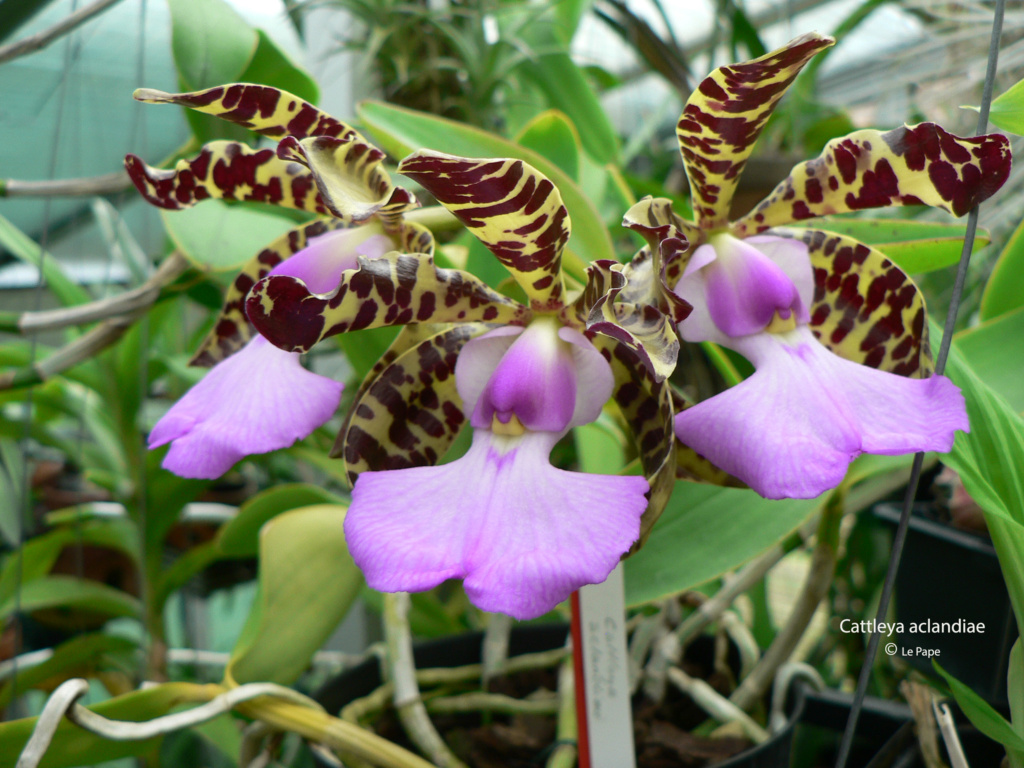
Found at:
[865, 308]
[350, 177]
[912, 165]
[409, 412]
[523, 534]
[644, 329]
[258, 400]
[336, 248]
[396, 289]
[657, 268]
[227, 170]
[792, 429]
[511, 207]
[268, 111]
[646, 405]
[724, 117]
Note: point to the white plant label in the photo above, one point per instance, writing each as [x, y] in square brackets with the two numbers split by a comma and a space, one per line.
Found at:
[606, 683]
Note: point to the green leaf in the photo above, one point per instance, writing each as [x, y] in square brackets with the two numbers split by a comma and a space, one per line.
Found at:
[71, 592]
[599, 446]
[271, 66]
[364, 349]
[12, 481]
[73, 746]
[990, 461]
[68, 660]
[307, 583]
[552, 135]
[1002, 292]
[995, 350]
[567, 89]
[211, 43]
[1008, 109]
[23, 248]
[703, 532]
[222, 236]
[982, 715]
[240, 536]
[568, 14]
[401, 131]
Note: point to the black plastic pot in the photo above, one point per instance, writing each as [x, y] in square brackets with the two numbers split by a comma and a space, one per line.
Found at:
[364, 678]
[884, 737]
[948, 575]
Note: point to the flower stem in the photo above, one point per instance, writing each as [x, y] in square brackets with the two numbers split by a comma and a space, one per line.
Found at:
[402, 673]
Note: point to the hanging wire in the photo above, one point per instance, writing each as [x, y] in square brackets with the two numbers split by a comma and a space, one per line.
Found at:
[940, 365]
[26, 433]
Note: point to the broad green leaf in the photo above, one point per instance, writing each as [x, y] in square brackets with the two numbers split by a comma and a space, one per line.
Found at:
[552, 134]
[73, 746]
[600, 447]
[1015, 687]
[71, 592]
[995, 350]
[307, 583]
[272, 66]
[990, 461]
[212, 44]
[1003, 291]
[568, 90]
[220, 236]
[364, 349]
[166, 495]
[402, 131]
[74, 658]
[982, 715]
[240, 536]
[1008, 109]
[703, 532]
[23, 248]
[568, 14]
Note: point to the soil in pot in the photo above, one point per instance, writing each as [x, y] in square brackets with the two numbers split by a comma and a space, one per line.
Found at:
[662, 731]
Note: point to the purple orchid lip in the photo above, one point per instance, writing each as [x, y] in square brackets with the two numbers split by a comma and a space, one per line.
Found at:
[792, 429]
[523, 534]
[320, 264]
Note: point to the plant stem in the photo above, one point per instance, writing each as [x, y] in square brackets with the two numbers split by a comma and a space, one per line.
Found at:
[107, 184]
[495, 646]
[402, 673]
[815, 588]
[566, 734]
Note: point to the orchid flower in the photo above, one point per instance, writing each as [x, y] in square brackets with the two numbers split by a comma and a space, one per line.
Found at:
[520, 532]
[247, 403]
[835, 330]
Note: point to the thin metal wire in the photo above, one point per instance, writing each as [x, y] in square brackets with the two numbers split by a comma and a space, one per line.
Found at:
[940, 365]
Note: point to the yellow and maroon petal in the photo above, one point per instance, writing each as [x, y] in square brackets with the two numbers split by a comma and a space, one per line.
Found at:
[231, 331]
[511, 207]
[410, 412]
[260, 108]
[643, 328]
[865, 308]
[657, 267]
[396, 289]
[349, 175]
[227, 170]
[647, 407]
[724, 117]
[912, 165]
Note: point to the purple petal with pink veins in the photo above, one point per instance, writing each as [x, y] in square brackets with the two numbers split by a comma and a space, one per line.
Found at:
[523, 534]
[320, 264]
[792, 429]
[258, 400]
[594, 379]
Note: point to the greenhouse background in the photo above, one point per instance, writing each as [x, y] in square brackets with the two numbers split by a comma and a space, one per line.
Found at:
[167, 593]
